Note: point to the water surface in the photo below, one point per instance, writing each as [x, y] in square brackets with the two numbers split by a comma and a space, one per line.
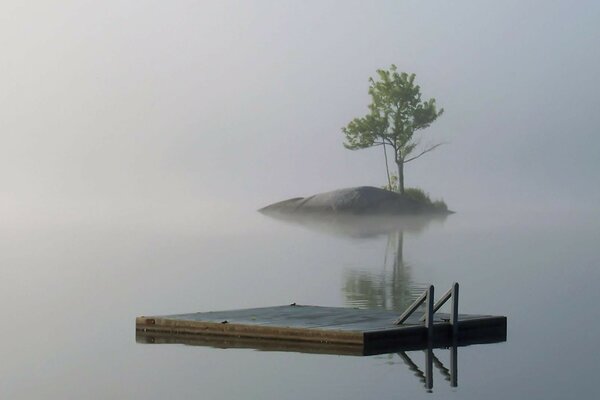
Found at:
[70, 296]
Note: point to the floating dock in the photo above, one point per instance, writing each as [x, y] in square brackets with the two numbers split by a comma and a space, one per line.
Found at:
[328, 330]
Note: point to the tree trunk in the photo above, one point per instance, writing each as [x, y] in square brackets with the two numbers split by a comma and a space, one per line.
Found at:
[400, 164]
[387, 168]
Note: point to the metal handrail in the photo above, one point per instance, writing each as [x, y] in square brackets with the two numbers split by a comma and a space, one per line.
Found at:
[451, 293]
[411, 309]
[427, 295]
[432, 308]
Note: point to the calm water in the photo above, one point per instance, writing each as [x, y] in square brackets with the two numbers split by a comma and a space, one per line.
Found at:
[69, 297]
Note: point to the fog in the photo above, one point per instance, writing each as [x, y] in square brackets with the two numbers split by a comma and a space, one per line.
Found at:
[139, 138]
[184, 113]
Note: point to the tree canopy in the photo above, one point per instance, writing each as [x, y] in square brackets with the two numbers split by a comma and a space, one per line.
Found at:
[396, 112]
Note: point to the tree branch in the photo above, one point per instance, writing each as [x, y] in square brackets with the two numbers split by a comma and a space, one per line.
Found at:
[385, 142]
[424, 152]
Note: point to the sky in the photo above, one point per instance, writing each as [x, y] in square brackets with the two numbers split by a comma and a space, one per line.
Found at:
[182, 112]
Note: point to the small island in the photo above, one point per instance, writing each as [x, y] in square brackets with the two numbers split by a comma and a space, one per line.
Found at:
[362, 200]
[396, 113]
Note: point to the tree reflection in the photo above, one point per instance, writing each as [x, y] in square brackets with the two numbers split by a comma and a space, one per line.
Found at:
[388, 286]
[391, 288]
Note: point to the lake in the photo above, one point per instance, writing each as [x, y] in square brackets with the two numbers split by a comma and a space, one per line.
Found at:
[70, 295]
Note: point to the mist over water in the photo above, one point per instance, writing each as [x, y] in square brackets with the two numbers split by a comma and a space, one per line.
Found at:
[138, 141]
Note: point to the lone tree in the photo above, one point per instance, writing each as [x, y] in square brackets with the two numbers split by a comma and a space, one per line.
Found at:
[396, 112]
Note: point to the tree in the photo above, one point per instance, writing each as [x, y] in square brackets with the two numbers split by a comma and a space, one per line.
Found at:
[396, 112]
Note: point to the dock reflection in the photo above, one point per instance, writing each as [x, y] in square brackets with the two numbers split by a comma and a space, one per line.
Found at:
[407, 354]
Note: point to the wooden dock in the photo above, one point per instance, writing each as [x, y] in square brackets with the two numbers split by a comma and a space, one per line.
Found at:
[315, 329]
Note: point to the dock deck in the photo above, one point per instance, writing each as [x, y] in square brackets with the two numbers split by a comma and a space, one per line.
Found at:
[317, 329]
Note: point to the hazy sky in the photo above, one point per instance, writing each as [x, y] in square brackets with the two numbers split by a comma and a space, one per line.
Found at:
[181, 110]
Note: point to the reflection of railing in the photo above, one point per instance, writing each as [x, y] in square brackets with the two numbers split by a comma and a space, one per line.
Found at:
[450, 374]
[431, 308]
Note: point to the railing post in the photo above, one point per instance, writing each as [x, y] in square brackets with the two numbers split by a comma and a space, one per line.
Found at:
[454, 310]
[429, 367]
[454, 363]
[429, 312]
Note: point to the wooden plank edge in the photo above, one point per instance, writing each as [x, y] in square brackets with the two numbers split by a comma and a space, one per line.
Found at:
[171, 326]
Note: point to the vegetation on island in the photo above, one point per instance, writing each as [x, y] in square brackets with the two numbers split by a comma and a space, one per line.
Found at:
[417, 194]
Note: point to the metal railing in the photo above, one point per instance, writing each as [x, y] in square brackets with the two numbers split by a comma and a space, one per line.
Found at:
[431, 308]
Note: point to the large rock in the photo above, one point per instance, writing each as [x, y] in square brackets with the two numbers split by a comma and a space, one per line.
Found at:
[362, 200]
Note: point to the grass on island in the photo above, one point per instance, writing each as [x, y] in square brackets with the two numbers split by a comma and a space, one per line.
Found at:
[418, 195]
[423, 198]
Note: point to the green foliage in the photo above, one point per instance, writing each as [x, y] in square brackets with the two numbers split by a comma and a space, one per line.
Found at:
[418, 195]
[393, 185]
[396, 112]
[440, 205]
